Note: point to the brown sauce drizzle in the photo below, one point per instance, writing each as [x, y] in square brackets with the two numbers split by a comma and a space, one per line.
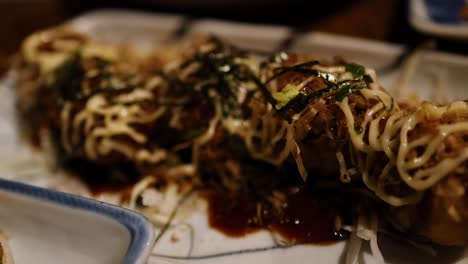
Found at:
[302, 215]
[305, 217]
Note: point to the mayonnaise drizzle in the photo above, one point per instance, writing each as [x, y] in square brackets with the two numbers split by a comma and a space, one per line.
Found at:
[101, 121]
[424, 177]
[393, 141]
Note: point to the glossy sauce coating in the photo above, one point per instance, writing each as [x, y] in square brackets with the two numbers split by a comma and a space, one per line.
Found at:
[304, 218]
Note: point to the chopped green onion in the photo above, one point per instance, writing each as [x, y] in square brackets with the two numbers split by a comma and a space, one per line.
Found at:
[355, 69]
[347, 87]
[341, 90]
[288, 93]
[358, 129]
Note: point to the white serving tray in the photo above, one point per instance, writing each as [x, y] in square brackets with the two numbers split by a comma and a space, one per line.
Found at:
[200, 244]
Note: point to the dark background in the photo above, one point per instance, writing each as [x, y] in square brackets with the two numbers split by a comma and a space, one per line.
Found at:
[384, 20]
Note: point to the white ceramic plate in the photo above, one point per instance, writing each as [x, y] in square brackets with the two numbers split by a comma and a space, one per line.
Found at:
[196, 242]
[45, 226]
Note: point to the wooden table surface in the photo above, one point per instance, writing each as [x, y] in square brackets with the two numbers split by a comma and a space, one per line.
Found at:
[379, 20]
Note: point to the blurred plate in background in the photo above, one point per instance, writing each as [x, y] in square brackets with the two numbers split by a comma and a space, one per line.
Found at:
[442, 18]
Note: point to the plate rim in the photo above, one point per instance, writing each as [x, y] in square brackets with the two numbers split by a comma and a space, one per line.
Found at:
[140, 228]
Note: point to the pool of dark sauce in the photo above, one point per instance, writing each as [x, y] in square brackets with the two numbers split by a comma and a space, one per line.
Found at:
[305, 215]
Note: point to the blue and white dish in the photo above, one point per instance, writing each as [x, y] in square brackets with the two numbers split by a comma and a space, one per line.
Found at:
[441, 18]
[44, 226]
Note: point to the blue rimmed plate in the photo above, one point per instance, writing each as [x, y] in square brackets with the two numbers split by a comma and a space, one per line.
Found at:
[45, 226]
[443, 18]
